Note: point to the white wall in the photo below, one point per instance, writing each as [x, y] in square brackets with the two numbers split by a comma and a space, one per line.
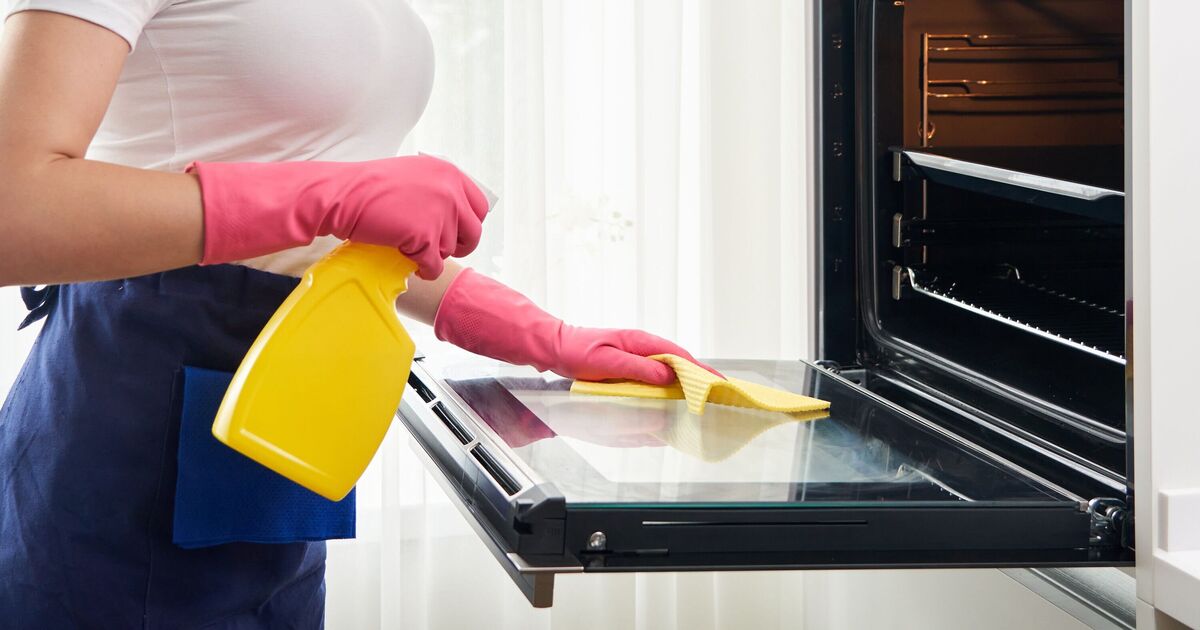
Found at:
[1164, 229]
[980, 599]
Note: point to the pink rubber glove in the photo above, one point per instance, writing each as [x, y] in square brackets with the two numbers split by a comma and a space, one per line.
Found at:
[488, 318]
[421, 205]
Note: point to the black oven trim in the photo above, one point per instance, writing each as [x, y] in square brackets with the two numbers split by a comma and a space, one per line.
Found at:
[834, 300]
[847, 338]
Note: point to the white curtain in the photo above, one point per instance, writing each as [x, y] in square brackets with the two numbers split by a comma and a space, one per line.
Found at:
[650, 159]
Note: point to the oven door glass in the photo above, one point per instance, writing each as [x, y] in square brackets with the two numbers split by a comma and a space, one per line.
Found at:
[623, 452]
[555, 482]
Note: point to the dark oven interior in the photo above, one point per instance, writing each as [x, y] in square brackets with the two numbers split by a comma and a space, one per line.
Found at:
[1006, 289]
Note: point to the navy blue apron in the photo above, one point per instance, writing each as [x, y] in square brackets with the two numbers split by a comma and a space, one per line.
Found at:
[88, 463]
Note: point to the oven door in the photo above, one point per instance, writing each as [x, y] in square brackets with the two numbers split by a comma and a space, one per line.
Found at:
[557, 482]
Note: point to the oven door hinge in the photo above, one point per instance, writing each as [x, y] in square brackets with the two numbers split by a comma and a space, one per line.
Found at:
[853, 373]
[828, 365]
[1112, 524]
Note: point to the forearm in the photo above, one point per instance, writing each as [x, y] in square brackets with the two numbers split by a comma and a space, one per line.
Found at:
[423, 297]
[64, 218]
[488, 318]
[70, 219]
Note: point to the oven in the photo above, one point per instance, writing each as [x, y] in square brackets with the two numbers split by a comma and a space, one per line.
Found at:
[969, 298]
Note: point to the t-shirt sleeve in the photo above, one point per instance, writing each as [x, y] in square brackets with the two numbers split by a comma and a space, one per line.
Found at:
[126, 18]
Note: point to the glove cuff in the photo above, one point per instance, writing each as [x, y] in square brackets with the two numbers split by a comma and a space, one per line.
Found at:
[485, 317]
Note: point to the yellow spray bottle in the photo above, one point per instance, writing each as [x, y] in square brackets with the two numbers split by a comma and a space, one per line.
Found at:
[316, 393]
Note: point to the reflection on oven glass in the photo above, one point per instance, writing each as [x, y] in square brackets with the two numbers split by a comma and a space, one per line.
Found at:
[596, 449]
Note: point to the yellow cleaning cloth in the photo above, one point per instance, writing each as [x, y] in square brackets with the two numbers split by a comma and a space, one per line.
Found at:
[699, 386]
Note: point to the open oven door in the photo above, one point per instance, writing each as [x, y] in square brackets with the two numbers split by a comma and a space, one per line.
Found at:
[557, 482]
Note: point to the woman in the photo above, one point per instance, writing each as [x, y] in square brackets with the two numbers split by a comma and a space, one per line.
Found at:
[232, 142]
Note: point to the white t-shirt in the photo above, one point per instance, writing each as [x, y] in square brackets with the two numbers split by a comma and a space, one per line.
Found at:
[260, 81]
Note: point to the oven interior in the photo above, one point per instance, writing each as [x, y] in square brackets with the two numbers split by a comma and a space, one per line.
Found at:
[997, 293]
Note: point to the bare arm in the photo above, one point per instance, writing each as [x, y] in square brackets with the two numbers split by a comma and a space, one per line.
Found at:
[64, 218]
[421, 300]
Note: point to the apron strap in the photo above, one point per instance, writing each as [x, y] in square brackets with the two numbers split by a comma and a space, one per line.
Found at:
[39, 302]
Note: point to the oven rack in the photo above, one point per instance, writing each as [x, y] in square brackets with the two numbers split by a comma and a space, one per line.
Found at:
[988, 74]
[990, 171]
[1046, 312]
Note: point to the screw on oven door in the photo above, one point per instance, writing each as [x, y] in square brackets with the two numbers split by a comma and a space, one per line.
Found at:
[597, 541]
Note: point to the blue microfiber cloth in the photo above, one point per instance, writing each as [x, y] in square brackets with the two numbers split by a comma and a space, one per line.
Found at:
[222, 496]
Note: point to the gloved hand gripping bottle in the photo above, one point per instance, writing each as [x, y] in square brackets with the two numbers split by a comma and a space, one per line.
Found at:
[317, 391]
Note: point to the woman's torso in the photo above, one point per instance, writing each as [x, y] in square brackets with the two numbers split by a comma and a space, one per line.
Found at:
[269, 80]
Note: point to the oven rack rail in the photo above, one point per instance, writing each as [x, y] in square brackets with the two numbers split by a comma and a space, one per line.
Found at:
[1093, 328]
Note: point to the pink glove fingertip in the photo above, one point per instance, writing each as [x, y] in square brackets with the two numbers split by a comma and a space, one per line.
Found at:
[480, 203]
[468, 235]
[429, 265]
[685, 355]
[710, 369]
[650, 371]
[680, 352]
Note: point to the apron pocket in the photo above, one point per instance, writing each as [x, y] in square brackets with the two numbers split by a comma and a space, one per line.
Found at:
[222, 496]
